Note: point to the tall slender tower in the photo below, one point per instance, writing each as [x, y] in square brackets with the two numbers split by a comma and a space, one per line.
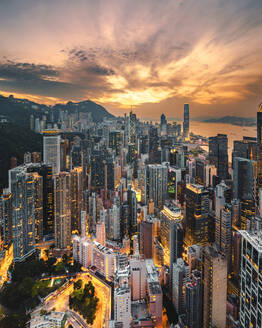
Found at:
[186, 122]
[259, 141]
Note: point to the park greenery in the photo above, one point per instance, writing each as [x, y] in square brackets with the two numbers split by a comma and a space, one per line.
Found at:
[30, 282]
[84, 301]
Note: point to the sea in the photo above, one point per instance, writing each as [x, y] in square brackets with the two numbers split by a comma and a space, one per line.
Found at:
[233, 132]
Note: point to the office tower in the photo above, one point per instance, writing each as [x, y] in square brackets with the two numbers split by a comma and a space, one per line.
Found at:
[215, 288]
[174, 177]
[122, 306]
[156, 184]
[163, 125]
[247, 212]
[200, 171]
[22, 186]
[180, 275]
[132, 128]
[244, 179]
[223, 235]
[244, 176]
[146, 238]
[131, 154]
[194, 300]
[132, 205]
[259, 141]
[45, 171]
[6, 217]
[153, 144]
[186, 122]
[62, 210]
[218, 154]
[222, 196]
[210, 172]
[102, 172]
[51, 150]
[76, 197]
[236, 258]
[235, 209]
[194, 257]
[246, 148]
[197, 215]
[101, 233]
[137, 279]
[251, 277]
[115, 141]
[171, 233]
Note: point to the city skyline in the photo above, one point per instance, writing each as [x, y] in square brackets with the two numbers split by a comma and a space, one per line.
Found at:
[151, 56]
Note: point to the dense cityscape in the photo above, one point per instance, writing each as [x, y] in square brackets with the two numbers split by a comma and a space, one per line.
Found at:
[127, 223]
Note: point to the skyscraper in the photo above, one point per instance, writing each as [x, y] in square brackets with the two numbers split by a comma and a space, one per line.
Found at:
[251, 278]
[51, 145]
[197, 215]
[23, 212]
[163, 125]
[259, 141]
[156, 184]
[194, 300]
[244, 176]
[76, 197]
[218, 154]
[186, 122]
[45, 171]
[180, 275]
[62, 210]
[215, 288]
[6, 217]
[153, 144]
[146, 239]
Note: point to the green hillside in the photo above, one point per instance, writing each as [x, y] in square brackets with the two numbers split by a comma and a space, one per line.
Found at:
[15, 140]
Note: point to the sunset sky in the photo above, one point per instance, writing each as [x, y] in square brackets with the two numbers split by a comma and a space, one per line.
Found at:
[151, 54]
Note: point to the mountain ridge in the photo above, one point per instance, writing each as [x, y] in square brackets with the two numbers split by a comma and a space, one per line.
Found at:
[18, 110]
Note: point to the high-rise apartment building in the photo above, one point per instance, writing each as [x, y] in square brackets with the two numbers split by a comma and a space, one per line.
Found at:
[156, 184]
[23, 189]
[62, 210]
[45, 171]
[6, 218]
[76, 197]
[122, 306]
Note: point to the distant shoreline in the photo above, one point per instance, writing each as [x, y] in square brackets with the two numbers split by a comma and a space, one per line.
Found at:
[233, 120]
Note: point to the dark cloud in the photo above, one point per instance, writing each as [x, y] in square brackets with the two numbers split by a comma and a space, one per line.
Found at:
[25, 71]
[151, 54]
